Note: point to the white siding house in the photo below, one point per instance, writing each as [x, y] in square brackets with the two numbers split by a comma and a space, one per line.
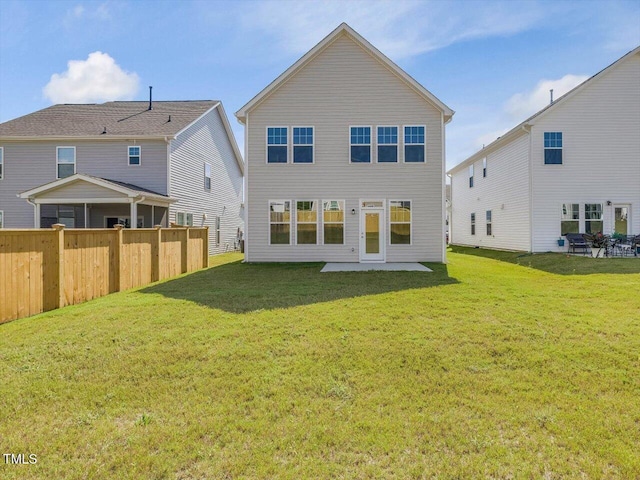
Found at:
[573, 167]
[344, 160]
[100, 164]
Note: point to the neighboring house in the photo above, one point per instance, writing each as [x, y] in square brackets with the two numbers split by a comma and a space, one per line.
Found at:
[573, 167]
[101, 164]
[345, 160]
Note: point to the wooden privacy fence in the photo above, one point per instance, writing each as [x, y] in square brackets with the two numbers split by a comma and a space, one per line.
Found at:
[41, 270]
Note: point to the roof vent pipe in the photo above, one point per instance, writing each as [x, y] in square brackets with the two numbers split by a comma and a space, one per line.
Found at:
[150, 98]
[551, 92]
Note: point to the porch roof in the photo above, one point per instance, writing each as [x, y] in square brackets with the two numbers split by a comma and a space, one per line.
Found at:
[83, 188]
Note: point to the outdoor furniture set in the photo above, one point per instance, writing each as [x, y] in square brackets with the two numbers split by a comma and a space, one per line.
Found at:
[600, 245]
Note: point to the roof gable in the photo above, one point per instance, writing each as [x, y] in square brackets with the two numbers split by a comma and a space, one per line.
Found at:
[525, 126]
[344, 30]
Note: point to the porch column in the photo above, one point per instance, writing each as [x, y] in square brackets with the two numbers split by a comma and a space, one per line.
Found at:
[134, 214]
[85, 215]
[37, 214]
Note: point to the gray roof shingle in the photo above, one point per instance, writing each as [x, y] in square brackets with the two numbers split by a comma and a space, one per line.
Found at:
[118, 118]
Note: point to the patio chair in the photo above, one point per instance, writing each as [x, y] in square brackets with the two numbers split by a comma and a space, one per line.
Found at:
[577, 243]
[635, 245]
[623, 246]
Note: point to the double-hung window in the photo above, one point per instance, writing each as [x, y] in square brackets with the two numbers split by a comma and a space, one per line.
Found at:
[471, 176]
[1, 219]
[1, 162]
[134, 155]
[360, 145]
[400, 222]
[333, 222]
[65, 161]
[306, 222]
[488, 222]
[217, 232]
[414, 144]
[473, 224]
[302, 144]
[207, 176]
[552, 148]
[593, 218]
[570, 219]
[484, 167]
[279, 222]
[277, 144]
[387, 144]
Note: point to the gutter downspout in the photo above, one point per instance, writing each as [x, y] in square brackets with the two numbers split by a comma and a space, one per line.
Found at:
[134, 212]
[530, 165]
[36, 213]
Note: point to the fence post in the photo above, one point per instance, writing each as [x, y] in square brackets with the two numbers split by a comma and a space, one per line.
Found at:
[184, 254]
[59, 229]
[205, 248]
[118, 256]
[156, 253]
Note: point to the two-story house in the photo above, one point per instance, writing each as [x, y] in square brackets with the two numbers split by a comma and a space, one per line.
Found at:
[345, 160]
[573, 167]
[134, 163]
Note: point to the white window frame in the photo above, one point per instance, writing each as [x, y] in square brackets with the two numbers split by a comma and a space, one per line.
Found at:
[484, 167]
[397, 144]
[2, 163]
[294, 145]
[601, 219]
[424, 144]
[139, 156]
[570, 212]
[471, 175]
[473, 223]
[545, 148]
[207, 188]
[306, 223]
[75, 160]
[266, 144]
[1, 218]
[343, 223]
[178, 221]
[488, 222]
[410, 222]
[362, 144]
[217, 230]
[290, 222]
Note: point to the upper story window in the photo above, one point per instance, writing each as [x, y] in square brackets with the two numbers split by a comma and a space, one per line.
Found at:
[207, 176]
[414, 144]
[552, 148]
[276, 144]
[484, 167]
[134, 155]
[302, 144]
[387, 144]
[360, 142]
[570, 220]
[1, 162]
[471, 175]
[65, 161]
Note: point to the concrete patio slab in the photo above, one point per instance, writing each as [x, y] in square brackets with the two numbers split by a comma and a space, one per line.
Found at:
[367, 267]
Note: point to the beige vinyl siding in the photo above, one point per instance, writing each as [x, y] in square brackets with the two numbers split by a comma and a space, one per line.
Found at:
[345, 86]
[601, 153]
[206, 141]
[31, 164]
[81, 190]
[504, 191]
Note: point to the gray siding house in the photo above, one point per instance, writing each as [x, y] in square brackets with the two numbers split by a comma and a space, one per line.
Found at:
[573, 167]
[345, 160]
[135, 163]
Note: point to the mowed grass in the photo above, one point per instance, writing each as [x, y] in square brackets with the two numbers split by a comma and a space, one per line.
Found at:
[496, 365]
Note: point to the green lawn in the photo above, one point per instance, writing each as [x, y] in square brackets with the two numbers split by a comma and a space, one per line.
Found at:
[497, 365]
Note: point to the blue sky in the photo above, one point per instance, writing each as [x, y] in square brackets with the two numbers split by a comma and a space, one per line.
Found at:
[493, 62]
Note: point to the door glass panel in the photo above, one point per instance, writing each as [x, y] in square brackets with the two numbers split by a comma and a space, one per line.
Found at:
[372, 232]
[621, 215]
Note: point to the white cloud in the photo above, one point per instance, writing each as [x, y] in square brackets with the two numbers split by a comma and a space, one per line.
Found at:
[522, 105]
[399, 29]
[96, 79]
[100, 12]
